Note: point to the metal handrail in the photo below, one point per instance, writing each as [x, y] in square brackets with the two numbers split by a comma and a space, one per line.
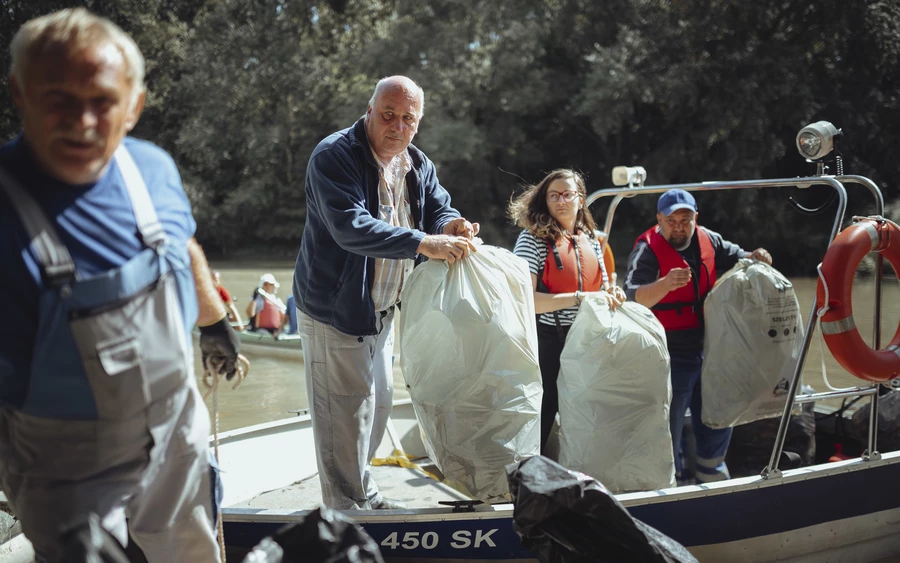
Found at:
[771, 470]
[872, 450]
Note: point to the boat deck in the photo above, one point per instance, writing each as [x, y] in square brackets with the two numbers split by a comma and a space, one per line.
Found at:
[410, 485]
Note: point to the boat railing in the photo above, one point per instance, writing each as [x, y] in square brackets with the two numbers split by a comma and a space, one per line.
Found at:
[837, 183]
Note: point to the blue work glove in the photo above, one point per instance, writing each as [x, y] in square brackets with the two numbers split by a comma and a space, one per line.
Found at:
[220, 346]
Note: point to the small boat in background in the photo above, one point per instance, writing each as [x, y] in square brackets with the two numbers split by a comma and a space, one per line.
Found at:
[262, 343]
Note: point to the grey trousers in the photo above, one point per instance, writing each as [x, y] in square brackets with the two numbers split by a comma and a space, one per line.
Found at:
[151, 468]
[350, 386]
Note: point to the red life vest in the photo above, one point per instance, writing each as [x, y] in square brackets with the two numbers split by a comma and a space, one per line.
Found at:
[571, 266]
[270, 317]
[682, 308]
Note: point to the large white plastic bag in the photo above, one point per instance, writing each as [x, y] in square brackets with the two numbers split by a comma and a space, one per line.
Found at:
[614, 397]
[754, 332]
[468, 350]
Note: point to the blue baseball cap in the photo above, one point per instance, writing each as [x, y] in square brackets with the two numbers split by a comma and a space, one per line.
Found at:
[673, 200]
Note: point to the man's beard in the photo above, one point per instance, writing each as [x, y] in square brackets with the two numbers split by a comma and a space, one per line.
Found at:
[683, 246]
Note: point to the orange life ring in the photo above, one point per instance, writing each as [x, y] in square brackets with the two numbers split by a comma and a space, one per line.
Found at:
[838, 327]
[608, 260]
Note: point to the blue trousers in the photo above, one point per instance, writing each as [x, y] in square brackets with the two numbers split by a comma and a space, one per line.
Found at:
[712, 444]
[293, 324]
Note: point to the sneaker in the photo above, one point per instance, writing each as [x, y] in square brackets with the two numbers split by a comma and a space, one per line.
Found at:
[389, 504]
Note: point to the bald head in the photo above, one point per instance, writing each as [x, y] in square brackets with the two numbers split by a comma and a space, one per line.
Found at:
[392, 118]
[402, 85]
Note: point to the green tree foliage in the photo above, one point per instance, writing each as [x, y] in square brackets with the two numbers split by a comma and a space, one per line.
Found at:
[723, 97]
[265, 82]
[158, 27]
[240, 92]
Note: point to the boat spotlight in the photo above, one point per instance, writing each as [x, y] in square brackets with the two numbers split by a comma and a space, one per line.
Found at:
[816, 140]
[629, 176]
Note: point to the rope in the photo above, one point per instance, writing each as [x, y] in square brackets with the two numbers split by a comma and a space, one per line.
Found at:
[819, 314]
[401, 459]
[213, 368]
[886, 220]
[213, 371]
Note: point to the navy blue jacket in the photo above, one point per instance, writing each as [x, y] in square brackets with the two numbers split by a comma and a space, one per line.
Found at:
[343, 235]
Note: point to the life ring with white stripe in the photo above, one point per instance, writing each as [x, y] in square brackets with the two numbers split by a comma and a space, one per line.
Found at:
[838, 327]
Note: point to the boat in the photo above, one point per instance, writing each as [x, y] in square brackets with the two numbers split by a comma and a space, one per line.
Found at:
[287, 346]
[253, 343]
[844, 510]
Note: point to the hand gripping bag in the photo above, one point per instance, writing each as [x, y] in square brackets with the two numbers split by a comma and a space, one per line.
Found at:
[754, 332]
[468, 351]
[614, 396]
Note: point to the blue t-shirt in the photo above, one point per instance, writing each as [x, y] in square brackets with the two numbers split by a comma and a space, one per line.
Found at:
[94, 221]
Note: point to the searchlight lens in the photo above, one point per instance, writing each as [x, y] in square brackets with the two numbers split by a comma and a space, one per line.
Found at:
[809, 145]
[816, 141]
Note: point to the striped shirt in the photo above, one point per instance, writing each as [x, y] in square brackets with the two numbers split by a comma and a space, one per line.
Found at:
[534, 251]
[392, 196]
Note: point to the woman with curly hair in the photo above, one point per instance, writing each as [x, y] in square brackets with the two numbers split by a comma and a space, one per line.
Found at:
[566, 264]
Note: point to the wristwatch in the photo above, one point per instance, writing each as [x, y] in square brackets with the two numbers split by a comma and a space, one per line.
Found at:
[578, 297]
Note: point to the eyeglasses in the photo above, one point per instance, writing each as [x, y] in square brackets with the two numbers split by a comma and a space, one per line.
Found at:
[568, 197]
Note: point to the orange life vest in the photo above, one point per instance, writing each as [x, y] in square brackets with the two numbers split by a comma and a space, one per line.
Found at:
[682, 308]
[571, 265]
[270, 317]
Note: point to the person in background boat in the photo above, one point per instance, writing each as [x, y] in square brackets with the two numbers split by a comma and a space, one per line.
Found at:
[374, 205]
[231, 311]
[671, 269]
[99, 407]
[266, 311]
[566, 264]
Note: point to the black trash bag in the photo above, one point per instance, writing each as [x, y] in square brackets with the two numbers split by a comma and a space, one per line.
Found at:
[888, 422]
[324, 536]
[751, 444]
[92, 543]
[563, 516]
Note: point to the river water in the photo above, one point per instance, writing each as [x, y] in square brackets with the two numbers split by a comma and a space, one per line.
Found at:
[275, 387]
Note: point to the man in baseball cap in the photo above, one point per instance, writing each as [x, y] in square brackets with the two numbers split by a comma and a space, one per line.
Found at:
[671, 269]
[673, 200]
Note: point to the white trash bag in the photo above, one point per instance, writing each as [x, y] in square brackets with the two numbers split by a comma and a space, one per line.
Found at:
[468, 350]
[614, 397]
[754, 332]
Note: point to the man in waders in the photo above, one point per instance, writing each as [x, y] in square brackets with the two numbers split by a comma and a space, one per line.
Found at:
[673, 266]
[373, 206]
[99, 408]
